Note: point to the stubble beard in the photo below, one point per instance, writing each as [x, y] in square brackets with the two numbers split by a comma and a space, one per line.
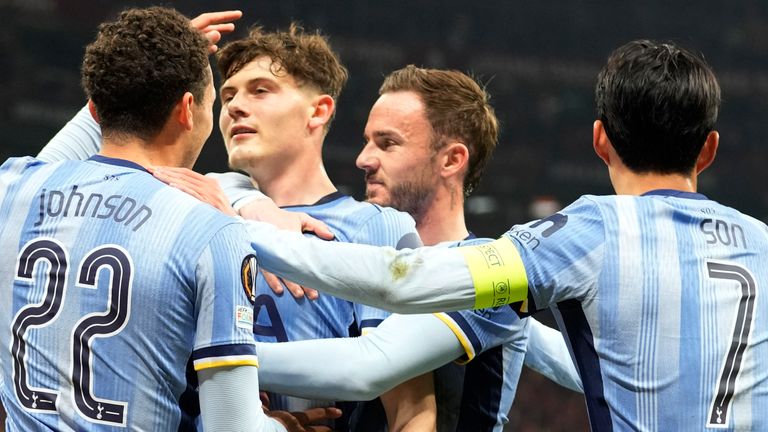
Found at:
[411, 197]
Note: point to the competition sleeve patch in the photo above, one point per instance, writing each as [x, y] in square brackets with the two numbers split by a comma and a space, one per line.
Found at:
[497, 273]
[248, 270]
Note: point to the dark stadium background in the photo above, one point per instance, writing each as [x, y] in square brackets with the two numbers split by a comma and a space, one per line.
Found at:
[538, 59]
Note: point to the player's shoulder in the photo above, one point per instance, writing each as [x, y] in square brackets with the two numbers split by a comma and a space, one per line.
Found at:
[470, 241]
[360, 213]
[197, 220]
[18, 165]
[376, 211]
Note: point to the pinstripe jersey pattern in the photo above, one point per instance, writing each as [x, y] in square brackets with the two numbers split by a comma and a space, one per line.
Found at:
[494, 341]
[659, 299]
[284, 318]
[111, 282]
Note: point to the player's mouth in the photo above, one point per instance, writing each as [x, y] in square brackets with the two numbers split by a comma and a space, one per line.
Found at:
[241, 131]
[371, 180]
[372, 186]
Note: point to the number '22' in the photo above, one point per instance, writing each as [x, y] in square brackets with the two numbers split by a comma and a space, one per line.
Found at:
[90, 326]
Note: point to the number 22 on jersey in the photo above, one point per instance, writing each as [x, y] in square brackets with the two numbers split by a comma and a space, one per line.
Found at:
[38, 316]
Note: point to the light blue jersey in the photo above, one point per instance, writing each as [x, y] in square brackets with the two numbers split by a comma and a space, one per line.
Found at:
[659, 298]
[483, 389]
[283, 318]
[111, 282]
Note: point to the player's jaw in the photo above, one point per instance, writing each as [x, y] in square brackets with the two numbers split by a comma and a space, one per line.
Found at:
[376, 190]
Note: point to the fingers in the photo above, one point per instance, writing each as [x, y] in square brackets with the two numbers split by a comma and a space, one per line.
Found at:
[315, 415]
[204, 20]
[221, 28]
[310, 224]
[311, 294]
[264, 396]
[273, 282]
[214, 24]
[299, 291]
[199, 186]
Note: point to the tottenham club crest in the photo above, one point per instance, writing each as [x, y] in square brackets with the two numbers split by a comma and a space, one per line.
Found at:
[248, 271]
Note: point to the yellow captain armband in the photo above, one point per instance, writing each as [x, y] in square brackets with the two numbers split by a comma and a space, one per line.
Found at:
[497, 273]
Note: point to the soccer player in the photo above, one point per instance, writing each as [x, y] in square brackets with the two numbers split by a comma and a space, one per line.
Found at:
[112, 280]
[428, 139]
[656, 286]
[278, 99]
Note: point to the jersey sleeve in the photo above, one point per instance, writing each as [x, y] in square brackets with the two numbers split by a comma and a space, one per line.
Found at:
[482, 329]
[238, 187]
[385, 228]
[225, 276]
[219, 387]
[548, 355]
[561, 255]
[79, 139]
[407, 281]
[358, 368]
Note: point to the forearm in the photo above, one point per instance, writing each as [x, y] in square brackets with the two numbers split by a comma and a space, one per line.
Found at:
[548, 355]
[411, 406]
[219, 387]
[404, 281]
[79, 139]
[359, 368]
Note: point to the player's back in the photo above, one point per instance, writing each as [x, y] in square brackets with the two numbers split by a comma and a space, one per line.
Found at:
[668, 328]
[99, 272]
[282, 318]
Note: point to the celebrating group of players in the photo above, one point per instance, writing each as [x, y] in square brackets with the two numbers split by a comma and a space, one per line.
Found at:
[133, 303]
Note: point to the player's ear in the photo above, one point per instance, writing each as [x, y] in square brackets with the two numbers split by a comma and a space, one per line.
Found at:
[184, 111]
[455, 158]
[92, 110]
[322, 111]
[708, 151]
[600, 142]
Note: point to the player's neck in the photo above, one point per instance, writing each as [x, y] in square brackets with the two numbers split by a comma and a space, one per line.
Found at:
[443, 220]
[299, 183]
[629, 183]
[145, 153]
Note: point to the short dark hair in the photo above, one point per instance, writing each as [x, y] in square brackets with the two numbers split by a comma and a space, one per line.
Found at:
[456, 107]
[307, 57]
[658, 102]
[140, 65]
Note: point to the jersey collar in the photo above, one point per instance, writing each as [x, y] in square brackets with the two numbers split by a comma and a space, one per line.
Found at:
[117, 162]
[676, 194]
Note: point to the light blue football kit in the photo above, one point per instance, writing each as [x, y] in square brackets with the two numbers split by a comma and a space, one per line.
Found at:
[283, 318]
[112, 282]
[658, 297]
[496, 341]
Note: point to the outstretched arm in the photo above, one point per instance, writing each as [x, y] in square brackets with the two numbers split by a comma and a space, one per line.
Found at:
[548, 355]
[404, 281]
[359, 368]
[79, 139]
[220, 386]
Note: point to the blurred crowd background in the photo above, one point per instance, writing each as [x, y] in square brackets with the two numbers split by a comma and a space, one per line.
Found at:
[538, 60]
